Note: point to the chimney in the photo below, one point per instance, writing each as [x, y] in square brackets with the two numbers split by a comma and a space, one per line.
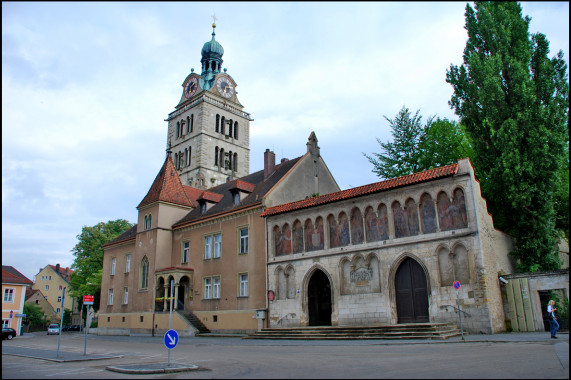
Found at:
[57, 268]
[269, 163]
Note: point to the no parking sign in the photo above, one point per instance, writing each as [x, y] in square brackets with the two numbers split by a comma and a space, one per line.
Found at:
[456, 285]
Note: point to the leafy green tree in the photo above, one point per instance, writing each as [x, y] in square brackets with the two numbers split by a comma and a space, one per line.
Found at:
[418, 146]
[514, 102]
[34, 315]
[401, 156]
[442, 143]
[562, 198]
[88, 252]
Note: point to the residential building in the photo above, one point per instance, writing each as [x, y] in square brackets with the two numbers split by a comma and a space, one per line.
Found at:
[14, 285]
[51, 280]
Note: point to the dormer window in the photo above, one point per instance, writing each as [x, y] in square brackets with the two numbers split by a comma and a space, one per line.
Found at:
[236, 198]
[202, 208]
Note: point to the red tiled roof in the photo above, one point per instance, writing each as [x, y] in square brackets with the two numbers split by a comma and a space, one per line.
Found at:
[193, 194]
[11, 275]
[211, 197]
[167, 187]
[64, 273]
[243, 185]
[427, 175]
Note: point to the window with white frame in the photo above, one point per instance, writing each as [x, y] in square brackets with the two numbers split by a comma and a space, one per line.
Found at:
[215, 287]
[59, 298]
[207, 288]
[58, 310]
[243, 240]
[5, 323]
[127, 263]
[217, 245]
[60, 287]
[110, 297]
[9, 295]
[207, 247]
[243, 279]
[113, 265]
[125, 295]
[47, 287]
[185, 251]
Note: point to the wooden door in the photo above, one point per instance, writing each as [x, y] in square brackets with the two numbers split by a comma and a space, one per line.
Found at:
[411, 293]
[319, 299]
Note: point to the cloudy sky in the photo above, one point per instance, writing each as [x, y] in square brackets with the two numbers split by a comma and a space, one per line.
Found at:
[86, 88]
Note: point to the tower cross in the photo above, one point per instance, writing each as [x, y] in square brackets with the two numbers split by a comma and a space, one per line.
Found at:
[214, 18]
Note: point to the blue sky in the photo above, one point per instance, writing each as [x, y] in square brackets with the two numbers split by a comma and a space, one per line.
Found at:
[86, 88]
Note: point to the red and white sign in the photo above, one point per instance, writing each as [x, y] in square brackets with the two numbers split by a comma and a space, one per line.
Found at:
[88, 300]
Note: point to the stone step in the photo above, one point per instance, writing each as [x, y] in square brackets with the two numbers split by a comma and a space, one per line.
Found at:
[408, 331]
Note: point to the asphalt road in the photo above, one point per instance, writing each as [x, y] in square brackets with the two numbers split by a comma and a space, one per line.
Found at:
[237, 358]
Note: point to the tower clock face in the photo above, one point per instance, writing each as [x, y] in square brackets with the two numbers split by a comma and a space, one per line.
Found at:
[225, 87]
[191, 87]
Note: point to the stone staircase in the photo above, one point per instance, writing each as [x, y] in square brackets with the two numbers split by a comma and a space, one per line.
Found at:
[193, 319]
[401, 331]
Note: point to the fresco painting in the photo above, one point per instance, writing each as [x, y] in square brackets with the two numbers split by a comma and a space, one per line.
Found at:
[357, 235]
[428, 214]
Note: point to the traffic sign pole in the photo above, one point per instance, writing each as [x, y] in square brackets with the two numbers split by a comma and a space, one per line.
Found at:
[170, 321]
[457, 286]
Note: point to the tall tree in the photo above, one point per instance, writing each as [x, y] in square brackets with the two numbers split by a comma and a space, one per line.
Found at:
[418, 146]
[88, 252]
[514, 102]
[401, 156]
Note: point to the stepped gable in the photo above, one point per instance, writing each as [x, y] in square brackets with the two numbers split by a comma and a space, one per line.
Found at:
[254, 181]
[13, 276]
[129, 234]
[427, 175]
[167, 187]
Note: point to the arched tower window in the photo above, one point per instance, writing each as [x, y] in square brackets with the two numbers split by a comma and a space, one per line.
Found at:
[176, 160]
[191, 122]
[230, 160]
[222, 122]
[189, 156]
[217, 123]
[236, 130]
[222, 158]
[216, 156]
[235, 161]
[177, 129]
[187, 124]
[230, 122]
[144, 273]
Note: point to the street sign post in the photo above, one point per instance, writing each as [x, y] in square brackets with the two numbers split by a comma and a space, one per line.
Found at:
[456, 285]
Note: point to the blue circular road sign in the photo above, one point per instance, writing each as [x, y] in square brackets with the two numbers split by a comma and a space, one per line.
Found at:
[456, 285]
[171, 339]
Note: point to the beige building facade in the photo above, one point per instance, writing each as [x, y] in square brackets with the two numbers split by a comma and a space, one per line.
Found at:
[389, 253]
[51, 280]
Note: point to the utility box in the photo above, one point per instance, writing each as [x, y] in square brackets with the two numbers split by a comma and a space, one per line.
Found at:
[260, 316]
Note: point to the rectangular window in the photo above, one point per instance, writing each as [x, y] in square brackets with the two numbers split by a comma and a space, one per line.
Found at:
[9, 295]
[113, 265]
[243, 240]
[217, 245]
[215, 287]
[58, 310]
[59, 298]
[47, 287]
[185, 251]
[125, 296]
[5, 323]
[60, 287]
[243, 284]
[207, 288]
[110, 298]
[127, 263]
[207, 247]
[50, 278]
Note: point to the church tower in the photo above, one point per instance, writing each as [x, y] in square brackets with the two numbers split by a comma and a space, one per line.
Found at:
[209, 133]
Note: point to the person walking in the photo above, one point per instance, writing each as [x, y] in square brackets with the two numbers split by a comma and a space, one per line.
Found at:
[553, 324]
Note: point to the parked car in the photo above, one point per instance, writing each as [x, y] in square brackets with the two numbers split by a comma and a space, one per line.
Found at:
[74, 328]
[53, 329]
[8, 333]
[65, 328]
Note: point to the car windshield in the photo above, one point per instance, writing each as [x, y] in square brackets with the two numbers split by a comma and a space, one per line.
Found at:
[54, 326]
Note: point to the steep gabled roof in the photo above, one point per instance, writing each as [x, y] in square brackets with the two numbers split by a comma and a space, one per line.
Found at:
[427, 175]
[167, 187]
[129, 234]
[12, 276]
[64, 273]
[255, 182]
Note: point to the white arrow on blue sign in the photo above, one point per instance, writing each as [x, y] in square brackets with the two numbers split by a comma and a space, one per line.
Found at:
[171, 339]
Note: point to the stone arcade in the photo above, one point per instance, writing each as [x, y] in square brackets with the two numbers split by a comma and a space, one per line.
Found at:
[388, 253]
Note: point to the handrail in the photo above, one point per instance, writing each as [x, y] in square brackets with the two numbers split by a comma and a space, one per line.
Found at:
[455, 308]
[285, 316]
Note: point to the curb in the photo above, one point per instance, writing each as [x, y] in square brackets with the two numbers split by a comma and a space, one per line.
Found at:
[153, 368]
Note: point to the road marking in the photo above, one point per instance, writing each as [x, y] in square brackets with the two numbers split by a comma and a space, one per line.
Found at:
[67, 372]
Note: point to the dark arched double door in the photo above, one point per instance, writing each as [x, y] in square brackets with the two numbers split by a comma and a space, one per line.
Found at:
[411, 292]
[319, 299]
